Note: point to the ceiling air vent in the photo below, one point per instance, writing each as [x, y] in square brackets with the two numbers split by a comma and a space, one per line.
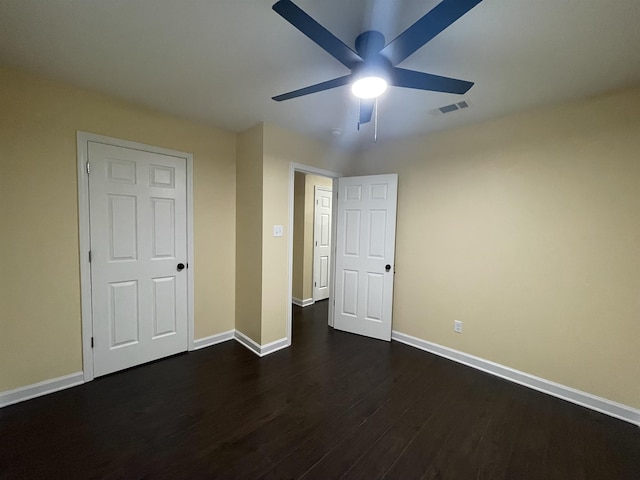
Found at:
[451, 108]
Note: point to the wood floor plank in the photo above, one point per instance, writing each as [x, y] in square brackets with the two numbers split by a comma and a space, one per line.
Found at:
[250, 413]
[334, 405]
[376, 459]
[494, 452]
[530, 453]
[256, 451]
[326, 436]
[609, 453]
[430, 437]
[340, 446]
[276, 439]
[455, 456]
[565, 428]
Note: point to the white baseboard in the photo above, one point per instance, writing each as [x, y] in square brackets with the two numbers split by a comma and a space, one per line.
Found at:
[41, 388]
[274, 346]
[302, 303]
[245, 341]
[49, 386]
[599, 404]
[260, 350]
[213, 340]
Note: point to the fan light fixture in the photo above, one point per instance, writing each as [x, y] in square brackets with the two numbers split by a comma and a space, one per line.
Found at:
[369, 87]
[373, 63]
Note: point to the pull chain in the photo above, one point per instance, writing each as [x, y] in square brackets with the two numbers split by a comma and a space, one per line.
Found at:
[375, 123]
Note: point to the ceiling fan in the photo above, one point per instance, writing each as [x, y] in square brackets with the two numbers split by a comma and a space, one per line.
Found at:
[373, 64]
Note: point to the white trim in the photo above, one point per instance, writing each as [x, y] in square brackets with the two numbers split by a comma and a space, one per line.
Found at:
[260, 350]
[299, 167]
[83, 139]
[41, 388]
[247, 342]
[274, 346]
[213, 340]
[584, 399]
[190, 256]
[85, 246]
[45, 387]
[302, 303]
[334, 246]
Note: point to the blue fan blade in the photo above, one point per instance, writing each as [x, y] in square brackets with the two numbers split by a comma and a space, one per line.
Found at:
[425, 81]
[319, 87]
[366, 110]
[430, 25]
[316, 32]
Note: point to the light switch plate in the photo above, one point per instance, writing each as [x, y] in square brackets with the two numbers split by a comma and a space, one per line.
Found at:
[278, 230]
[457, 326]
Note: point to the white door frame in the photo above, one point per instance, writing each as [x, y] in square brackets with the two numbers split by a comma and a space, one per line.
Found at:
[299, 167]
[83, 139]
[317, 188]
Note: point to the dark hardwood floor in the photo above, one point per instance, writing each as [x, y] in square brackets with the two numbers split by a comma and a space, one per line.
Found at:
[334, 405]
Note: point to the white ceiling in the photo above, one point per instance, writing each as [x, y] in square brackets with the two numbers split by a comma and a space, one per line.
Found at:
[221, 61]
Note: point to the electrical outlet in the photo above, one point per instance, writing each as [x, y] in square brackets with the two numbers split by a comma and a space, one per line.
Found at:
[457, 326]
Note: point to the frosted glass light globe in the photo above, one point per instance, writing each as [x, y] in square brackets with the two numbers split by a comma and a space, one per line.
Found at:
[369, 87]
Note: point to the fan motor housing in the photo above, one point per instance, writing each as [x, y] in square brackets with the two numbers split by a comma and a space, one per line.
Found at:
[375, 66]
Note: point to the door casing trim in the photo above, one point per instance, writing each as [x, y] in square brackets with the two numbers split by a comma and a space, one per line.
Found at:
[299, 167]
[84, 233]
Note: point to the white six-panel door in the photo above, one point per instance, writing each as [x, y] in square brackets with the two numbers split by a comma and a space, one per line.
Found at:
[138, 238]
[365, 255]
[321, 243]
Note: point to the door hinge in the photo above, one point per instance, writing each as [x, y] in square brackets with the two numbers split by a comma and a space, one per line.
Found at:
[315, 284]
[91, 342]
[89, 256]
[88, 168]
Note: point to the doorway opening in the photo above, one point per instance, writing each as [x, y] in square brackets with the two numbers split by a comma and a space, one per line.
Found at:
[311, 238]
[312, 203]
[362, 260]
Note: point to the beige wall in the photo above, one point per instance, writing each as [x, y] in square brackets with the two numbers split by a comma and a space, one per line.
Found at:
[298, 236]
[40, 334]
[527, 229]
[282, 147]
[249, 211]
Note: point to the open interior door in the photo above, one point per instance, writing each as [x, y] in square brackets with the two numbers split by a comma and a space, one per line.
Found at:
[365, 251]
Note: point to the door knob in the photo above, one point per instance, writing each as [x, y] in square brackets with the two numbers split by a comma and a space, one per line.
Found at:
[180, 267]
[387, 267]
